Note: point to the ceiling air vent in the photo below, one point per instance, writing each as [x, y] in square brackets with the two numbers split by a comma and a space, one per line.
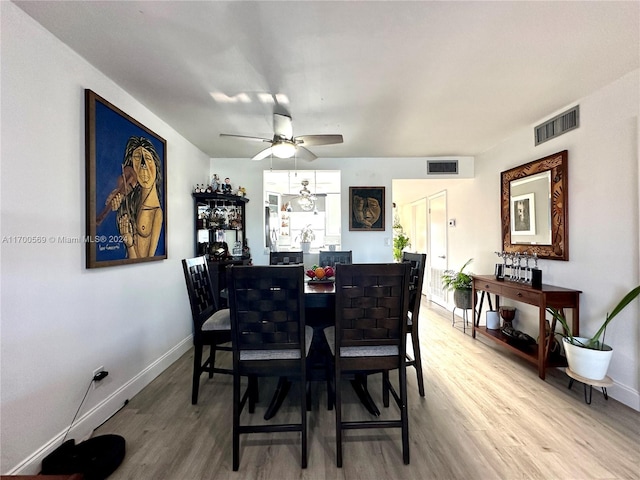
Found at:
[557, 125]
[442, 167]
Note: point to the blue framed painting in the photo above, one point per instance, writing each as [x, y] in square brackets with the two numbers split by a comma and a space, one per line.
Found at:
[126, 170]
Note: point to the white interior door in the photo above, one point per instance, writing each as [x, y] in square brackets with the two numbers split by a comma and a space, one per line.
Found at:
[419, 226]
[437, 242]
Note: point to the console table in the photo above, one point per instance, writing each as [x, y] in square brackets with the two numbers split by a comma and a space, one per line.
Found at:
[547, 296]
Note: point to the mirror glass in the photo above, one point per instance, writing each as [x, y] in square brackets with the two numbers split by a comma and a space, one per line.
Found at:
[295, 199]
[530, 209]
[534, 208]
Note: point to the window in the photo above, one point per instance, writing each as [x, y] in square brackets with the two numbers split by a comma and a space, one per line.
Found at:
[297, 198]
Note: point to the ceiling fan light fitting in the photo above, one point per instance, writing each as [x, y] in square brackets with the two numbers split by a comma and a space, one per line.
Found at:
[283, 149]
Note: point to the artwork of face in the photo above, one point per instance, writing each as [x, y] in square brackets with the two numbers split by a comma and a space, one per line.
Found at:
[366, 211]
[144, 167]
[367, 208]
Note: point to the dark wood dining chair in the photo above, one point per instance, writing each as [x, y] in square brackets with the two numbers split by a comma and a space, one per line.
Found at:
[211, 326]
[269, 338]
[282, 258]
[331, 258]
[370, 336]
[286, 258]
[417, 261]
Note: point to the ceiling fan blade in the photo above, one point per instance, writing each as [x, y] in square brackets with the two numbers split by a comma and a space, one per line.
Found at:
[246, 137]
[311, 140]
[282, 126]
[263, 154]
[304, 154]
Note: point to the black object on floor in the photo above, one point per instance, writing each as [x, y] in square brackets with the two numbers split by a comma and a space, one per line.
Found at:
[96, 458]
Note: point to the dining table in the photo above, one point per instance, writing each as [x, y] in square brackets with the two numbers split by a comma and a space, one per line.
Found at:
[320, 301]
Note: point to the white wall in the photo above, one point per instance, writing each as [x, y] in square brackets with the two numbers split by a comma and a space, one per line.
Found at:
[603, 219]
[60, 321]
[366, 246]
[603, 214]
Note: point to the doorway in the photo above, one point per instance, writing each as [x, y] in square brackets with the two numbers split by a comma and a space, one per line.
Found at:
[419, 226]
[437, 247]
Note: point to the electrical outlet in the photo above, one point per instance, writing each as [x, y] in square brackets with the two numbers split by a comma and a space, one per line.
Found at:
[95, 372]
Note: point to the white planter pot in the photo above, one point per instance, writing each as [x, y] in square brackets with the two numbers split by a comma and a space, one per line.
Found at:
[493, 320]
[305, 247]
[587, 363]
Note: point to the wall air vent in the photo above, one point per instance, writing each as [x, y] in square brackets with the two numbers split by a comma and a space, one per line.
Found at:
[442, 167]
[558, 125]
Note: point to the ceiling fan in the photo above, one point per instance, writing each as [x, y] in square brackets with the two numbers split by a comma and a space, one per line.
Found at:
[284, 144]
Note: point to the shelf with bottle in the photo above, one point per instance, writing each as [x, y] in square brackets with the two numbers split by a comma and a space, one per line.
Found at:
[220, 224]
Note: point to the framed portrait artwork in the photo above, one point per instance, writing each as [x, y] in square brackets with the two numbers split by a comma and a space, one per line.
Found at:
[126, 189]
[366, 209]
[523, 214]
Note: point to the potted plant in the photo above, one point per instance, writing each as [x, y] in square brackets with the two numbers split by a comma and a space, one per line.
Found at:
[400, 242]
[590, 357]
[306, 237]
[460, 283]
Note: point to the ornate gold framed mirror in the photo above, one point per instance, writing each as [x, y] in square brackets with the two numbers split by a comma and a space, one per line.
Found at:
[534, 200]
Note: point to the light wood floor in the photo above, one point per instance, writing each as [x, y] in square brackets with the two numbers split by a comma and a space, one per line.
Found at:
[486, 415]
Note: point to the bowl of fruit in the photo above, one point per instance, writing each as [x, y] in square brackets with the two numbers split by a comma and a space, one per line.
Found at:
[318, 274]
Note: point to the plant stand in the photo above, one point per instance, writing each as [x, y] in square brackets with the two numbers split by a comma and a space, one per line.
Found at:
[462, 299]
[603, 384]
[465, 318]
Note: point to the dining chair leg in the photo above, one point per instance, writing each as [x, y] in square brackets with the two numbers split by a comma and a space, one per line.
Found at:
[303, 420]
[212, 360]
[404, 415]
[415, 341]
[253, 393]
[237, 409]
[331, 394]
[197, 366]
[338, 407]
[385, 388]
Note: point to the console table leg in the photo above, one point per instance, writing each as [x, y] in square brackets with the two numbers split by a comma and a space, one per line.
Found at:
[542, 351]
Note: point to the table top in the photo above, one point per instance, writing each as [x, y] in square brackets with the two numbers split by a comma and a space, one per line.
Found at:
[545, 287]
[319, 288]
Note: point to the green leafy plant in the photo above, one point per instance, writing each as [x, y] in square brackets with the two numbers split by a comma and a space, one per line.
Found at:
[457, 280]
[400, 242]
[594, 342]
[306, 235]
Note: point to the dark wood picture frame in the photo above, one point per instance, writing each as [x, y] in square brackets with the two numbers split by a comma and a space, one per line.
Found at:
[366, 209]
[557, 164]
[126, 187]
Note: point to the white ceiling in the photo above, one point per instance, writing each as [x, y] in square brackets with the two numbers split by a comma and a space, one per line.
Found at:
[394, 78]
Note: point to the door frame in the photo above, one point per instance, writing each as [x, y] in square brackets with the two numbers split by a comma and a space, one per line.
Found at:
[435, 285]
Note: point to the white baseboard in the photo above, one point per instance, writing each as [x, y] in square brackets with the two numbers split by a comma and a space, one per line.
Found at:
[625, 395]
[87, 423]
